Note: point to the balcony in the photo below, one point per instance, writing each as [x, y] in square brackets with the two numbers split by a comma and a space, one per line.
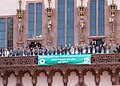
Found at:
[100, 63]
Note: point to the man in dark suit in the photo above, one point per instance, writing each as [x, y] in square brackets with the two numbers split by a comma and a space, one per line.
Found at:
[18, 52]
[89, 49]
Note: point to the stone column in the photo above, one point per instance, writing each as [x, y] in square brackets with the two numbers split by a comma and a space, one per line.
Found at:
[113, 78]
[81, 79]
[65, 80]
[49, 80]
[19, 81]
[5, 80]
[97, 79]
[34, 80]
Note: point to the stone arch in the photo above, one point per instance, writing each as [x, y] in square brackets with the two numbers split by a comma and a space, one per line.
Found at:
[22, 73]
[86, 70]
[108, 70]
[69, 71]
[72, 74]
[9, 73]
[89, 77]
[54, 71]
[12, 79]
[117, 70]
[26, 78]
[57, 78]
[41, 78]
[37, 72]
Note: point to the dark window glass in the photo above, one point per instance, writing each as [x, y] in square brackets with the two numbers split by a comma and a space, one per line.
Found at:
[101, 12]
[10, 33]
[2, 33]
[38, 19]
[70, 22]
[92, 17]
[31, 20]
[61, 22]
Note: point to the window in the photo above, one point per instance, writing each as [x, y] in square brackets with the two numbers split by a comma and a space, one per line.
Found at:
[101, 16]
[34, 19]
[38, 19]
[31, 21]
[6, 33]
[92, 17]
[97, 31]
[61, 22]
[70, 22]
[10, 33]
[65, 22]
[2, 33]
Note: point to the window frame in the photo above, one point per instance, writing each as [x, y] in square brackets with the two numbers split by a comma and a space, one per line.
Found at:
[35, 15]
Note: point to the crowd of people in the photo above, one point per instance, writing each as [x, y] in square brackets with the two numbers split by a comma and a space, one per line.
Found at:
[60, 50]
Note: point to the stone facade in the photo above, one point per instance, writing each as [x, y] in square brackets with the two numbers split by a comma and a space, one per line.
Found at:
[23, 71]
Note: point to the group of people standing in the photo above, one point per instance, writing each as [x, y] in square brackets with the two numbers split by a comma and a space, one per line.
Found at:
[60, 50]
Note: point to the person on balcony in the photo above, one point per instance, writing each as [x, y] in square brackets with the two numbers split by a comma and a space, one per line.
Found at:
[50, 51]
[76, 50]
[93, 49]
[6, 52]
[97, 51]
[89, 49]
[40, 51]
[29, 52]
[107, 49]
[24, 52]
[33, 51]
[102, 50]
[2, 52]
[72, 50]
[11, 53]
[18, 52]
[84, 51]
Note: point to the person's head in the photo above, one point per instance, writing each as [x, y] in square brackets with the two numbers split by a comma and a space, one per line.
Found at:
[2, 49]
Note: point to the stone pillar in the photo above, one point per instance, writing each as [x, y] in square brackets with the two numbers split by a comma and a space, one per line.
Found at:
[113, 78]
[65, 80]
[97, 79]
[19, 81]
[34, 80]
[5, 80]
[81, 79]
[49, 80]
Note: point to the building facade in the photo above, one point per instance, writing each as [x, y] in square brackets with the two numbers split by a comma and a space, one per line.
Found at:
[57, 23]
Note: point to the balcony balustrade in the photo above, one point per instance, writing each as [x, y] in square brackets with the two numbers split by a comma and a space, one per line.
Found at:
[100, 63]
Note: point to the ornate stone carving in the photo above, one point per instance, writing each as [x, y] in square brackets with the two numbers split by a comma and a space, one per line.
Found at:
[21, 65]
[113, 9]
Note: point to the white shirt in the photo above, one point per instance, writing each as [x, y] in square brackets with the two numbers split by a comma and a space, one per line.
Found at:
[93, 51]
[107, 51]
[72, 50]
[6, 53]
[76, 51]
[102, 51]
[84, 51]
[89, 51]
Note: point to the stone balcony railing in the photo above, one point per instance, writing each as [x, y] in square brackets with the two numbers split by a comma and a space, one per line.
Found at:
[97, 59]
[100, 63]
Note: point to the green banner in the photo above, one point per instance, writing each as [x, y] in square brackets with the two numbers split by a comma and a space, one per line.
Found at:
[48, 60]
